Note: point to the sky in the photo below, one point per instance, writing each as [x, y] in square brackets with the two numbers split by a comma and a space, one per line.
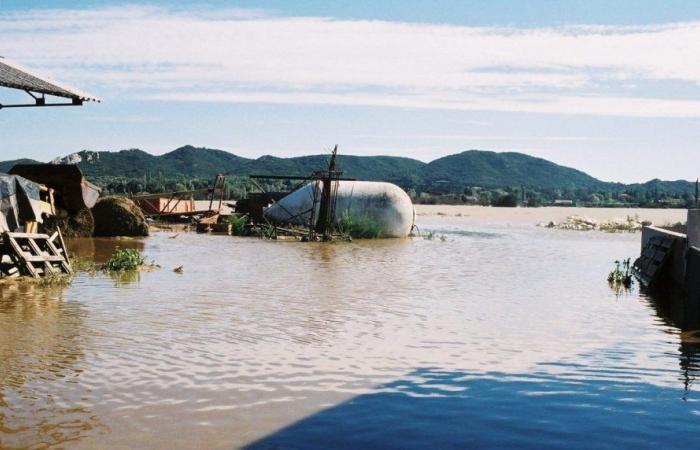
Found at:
[608, 87]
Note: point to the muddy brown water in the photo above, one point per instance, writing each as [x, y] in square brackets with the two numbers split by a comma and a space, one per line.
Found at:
[503, 334]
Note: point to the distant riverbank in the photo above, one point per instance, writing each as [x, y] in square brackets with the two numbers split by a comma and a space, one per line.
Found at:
[550, 213]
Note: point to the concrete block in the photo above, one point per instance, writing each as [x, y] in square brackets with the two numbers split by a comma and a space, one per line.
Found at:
[694, 228]
[692, 276]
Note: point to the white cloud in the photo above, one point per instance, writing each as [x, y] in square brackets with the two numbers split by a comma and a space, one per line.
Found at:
[247, 56]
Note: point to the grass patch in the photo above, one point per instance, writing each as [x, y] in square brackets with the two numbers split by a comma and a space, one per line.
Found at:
[362, 227]
[123, 260]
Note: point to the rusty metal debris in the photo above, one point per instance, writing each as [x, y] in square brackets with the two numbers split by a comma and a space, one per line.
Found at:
[180, 206]
[321, 223]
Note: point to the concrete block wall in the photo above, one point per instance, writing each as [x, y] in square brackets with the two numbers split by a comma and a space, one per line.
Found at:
[692, 276]
[675, 269]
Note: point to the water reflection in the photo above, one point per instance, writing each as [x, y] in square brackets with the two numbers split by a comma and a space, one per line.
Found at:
[100, 249]
[677, 311]
[430, 408]
[42, 356]
[257, 335]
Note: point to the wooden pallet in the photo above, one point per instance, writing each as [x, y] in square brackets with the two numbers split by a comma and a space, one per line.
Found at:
[35, 255]
[654, 256]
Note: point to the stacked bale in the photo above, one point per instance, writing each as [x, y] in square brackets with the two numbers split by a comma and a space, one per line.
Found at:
[118, 216]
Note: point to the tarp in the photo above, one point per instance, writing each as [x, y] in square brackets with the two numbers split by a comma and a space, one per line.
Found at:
[19, 202]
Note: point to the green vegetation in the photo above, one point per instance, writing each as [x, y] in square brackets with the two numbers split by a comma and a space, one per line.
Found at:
[238, 224]
[621, 276]
[123, 260]
[55, 280]
[363, 227]
[5, 166]
[82, 265]
[471, 177]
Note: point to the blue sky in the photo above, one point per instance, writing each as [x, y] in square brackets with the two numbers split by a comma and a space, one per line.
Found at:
[610, 88]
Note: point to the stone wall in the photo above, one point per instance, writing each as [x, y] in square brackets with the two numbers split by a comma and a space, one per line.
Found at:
[675, 270]
[692, 276]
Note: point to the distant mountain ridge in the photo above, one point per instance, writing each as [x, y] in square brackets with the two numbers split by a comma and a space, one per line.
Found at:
[470, 168]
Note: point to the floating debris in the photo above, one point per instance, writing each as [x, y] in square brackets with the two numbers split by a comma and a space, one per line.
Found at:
[631, 224]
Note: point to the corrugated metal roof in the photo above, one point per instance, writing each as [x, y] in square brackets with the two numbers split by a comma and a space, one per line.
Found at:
[12, 75]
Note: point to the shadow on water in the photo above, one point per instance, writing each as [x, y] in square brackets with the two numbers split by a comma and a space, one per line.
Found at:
[99, 250]
[435, 409]
[42, 337]
[677, 311]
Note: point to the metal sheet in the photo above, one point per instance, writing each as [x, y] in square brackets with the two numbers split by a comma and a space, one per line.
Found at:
[13, 75]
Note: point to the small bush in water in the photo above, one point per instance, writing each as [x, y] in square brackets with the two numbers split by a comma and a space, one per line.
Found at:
[124, 259]
[363, 227]
[620, 275]
[238, 225]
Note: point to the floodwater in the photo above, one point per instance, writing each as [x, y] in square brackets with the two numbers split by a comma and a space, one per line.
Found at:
[499, 335]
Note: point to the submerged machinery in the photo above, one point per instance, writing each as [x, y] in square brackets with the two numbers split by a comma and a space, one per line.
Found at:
[324, 203]
[385, 204]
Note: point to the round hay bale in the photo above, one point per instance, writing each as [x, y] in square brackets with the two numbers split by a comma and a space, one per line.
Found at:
[80, 224]
[118, 216]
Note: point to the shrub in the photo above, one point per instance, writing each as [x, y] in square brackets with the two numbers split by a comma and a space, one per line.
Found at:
[124, 259]
[363, 227]
[238, 225]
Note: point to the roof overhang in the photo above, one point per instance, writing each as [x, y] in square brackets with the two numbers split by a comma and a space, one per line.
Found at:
[14, 76]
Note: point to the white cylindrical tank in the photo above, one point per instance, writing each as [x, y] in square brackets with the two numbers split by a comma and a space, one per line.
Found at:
[385, 203]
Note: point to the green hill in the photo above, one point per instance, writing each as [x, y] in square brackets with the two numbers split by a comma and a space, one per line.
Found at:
[494, 170]
[5, 166]
[189, 161]
[447, 175]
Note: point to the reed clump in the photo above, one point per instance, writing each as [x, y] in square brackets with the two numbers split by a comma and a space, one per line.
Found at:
[362, 227]
[621, 275]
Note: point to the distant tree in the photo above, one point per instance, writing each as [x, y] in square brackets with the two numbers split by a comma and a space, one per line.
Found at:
[508, 200]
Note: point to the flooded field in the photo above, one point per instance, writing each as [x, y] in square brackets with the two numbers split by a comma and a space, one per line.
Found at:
[501, 334]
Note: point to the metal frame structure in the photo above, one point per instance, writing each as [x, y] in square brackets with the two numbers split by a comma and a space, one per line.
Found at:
[325, 196]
